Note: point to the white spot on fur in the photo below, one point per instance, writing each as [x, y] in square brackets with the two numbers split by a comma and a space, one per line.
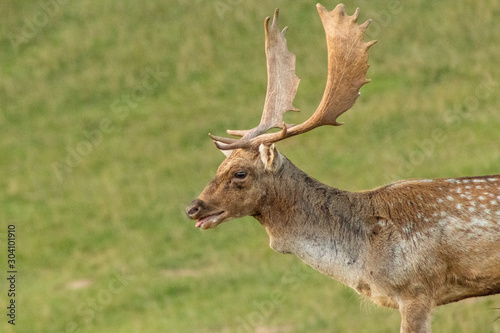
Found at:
[459, 206]
[443, 222]
[406, 229]
[478, 180]
[472, 209]
[479, 223]
[450, 198]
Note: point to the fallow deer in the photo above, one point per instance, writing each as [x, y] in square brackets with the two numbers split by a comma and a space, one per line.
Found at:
[411, 245]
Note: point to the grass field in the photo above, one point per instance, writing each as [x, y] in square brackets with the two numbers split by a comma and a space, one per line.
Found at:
[104, 112]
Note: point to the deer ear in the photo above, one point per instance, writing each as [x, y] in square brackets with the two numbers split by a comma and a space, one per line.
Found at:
[270, 157]
[218, 144]
[226, 153]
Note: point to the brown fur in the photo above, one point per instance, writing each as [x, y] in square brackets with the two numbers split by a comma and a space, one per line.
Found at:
[411, 245]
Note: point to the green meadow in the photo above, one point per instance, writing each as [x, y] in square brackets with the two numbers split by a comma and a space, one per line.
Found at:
[105, 107]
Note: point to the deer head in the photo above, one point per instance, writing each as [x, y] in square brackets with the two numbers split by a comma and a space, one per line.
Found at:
[239, 187]
[246, 176]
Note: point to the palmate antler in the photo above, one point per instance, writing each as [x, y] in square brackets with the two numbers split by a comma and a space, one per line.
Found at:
[347, 67]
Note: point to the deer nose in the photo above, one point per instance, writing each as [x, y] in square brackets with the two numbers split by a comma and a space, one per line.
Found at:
[194, 210]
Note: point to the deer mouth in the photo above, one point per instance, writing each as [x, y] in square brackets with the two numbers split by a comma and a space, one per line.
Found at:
[211, 221]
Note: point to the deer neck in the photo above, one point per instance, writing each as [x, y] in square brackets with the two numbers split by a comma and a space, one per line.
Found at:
[315, 222]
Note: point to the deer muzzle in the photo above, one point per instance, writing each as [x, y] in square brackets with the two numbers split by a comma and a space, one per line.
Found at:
[208, 217]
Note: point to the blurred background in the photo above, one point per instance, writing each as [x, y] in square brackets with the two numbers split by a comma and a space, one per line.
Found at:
[104, 113]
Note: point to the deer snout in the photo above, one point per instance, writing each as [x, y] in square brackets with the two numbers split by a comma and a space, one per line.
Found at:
[195, 209]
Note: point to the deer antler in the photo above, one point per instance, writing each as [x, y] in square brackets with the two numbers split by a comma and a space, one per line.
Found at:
[347, 67]
[282, 82]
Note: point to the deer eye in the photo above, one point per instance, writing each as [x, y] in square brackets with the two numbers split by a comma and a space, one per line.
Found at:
[240, 175]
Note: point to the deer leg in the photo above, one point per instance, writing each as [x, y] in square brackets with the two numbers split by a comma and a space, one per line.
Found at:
[415, 315]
